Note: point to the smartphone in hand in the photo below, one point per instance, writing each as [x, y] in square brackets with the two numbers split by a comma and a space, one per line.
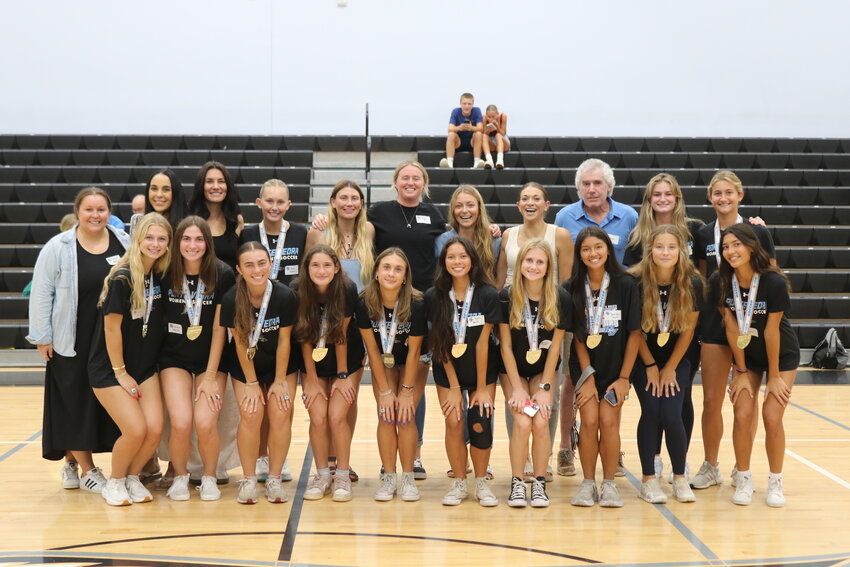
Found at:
[611, 397]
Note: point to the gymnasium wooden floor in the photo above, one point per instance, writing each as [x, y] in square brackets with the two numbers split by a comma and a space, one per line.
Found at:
[43, 524]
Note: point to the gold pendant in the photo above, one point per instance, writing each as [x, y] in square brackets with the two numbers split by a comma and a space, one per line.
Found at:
[144, 330]
[194, 331]
[743, 341]
[319, 354]
[533, 356]
[593, 340]
[388, 359]
[250, 352]
[458, 349]
[663, 338]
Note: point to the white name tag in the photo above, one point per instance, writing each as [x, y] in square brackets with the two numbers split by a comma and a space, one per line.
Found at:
[475, 321]
[615, 238]
[112, 260]
[175, 328]
[290, 270]
[753, 331]
[611, 317]
[545, 344]
[423, 219]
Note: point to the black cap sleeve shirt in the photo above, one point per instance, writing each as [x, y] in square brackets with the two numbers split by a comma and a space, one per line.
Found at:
[661, 354]
[141, 353]
[416, 327]
[621, 317]
[280, 313]
[484, 308]
[293, 248]
[426, 224]
[704, 244]
[519, 337]
[772, 297]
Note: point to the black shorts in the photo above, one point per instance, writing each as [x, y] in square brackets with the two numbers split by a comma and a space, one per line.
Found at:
[787, 362]
[465, 142]
[443, 382]
[711, 328]
[169, 360]
[110, 380]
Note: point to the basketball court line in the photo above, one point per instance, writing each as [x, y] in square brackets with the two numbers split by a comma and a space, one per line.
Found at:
[20, 446]
[818, 469]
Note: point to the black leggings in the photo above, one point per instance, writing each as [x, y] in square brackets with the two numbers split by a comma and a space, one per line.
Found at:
[688, 416]
[662, 415]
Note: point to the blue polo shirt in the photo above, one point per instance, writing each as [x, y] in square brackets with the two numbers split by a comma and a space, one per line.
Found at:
[618, 223]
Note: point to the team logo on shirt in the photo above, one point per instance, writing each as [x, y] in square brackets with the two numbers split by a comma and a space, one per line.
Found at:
[178, 297]
[611, 320]
[272, 324]
[290, 253]
[760, 307]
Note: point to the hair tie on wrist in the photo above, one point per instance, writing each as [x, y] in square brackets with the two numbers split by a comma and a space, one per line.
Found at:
[650, 365]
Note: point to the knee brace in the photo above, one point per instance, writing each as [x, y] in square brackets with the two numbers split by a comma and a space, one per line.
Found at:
[480, 429]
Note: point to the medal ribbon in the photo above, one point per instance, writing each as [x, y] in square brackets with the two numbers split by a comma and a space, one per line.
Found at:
[531, 328]
[745, 317]
[254, 337]
[460, 326]
[278, 251]
[193, 308]
[388, 330]
[148, 298]
[594, 315]
[717, 238]
[663, 315]
[323, 330]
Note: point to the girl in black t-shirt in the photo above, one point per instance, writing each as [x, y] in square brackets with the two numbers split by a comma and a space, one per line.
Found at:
[215, 200]
[333, 365]
[606, 323]
[463, 306]
[535, 314]
[755, 297]
[670, 303]
[260, 313]
[122, 363]
[393, 323]
[192, 365]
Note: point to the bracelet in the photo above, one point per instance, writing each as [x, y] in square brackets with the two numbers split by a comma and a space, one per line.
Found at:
[387, 393]
[740, 370]
[254, 383]
[406, 387]
[454, 387]
[626, 378]
[119, 367]
[650, 365]
[208, 371]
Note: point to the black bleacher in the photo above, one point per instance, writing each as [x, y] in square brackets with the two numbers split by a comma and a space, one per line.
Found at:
[800, 187]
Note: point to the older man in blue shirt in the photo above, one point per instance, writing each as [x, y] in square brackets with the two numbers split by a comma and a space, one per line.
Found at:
[595, 185]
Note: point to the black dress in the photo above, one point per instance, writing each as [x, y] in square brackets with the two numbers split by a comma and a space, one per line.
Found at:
[73, 418]
[226, 246]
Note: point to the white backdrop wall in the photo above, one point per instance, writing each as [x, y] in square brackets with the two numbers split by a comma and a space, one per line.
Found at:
[560, 67]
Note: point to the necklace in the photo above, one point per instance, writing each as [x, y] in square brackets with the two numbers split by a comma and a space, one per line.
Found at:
[405, 216]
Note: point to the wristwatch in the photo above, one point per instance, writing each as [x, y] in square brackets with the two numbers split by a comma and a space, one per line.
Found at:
[545, 386]
[342, 375]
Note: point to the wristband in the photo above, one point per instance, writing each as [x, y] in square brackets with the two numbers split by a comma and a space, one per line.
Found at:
[740, 370]
[650, 365]
[406, 387]
[626, 378]
[119, 367]
[387, 393]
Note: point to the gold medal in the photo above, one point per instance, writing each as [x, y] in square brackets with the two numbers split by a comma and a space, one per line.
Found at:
[458, 349]
[533, 356]
[250, 352]
[319, 354]
[593, 340]
[194, 331]
[663, 338]
[743, 341]
[388, 359]
[144, 330]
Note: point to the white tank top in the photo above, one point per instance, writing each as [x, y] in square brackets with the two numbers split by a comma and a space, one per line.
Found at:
[512, 250]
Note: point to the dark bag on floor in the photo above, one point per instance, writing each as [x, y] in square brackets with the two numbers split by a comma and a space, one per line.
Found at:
[830, 353]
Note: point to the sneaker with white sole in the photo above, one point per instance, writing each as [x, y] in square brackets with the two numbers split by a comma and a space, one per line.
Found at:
[500, 163]
[320, 485]
[342, 488]
[566, 462]
[408, 491]
[115, 492]
[539, 498]
[650, 491]
[70, 475]
[587, 494]
[610, 497]
[687, 474]
[708, 475]
[483, 493]
[137, 491]
[275, 492]
[743, 489]
[517, 497]
[247, 490]
[682, 490]
[621, 468]
[444, 164]
[488, 162]
[658, 465]
[457, 494]
[479, 164]
[179, 488]
[93, 481]
[387, 487]
[285, 473]
[419, 472]
[262, 469]
[775, 496]
[209, 489]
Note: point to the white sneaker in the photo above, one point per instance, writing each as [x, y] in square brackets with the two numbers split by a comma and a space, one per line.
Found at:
[708, 475]
[444, 163]
[744, 489]
[775, 496]
[483, 493]
[275, 492]
[342, 488]
[387, 487]
[734, 476]
[408, 491]
[587, 494]
[247, 490]
[682, 490]
[687, 474]
[419, 472]
[320, 485]
[179, 488]
[488, 162]
[70, 476]
[621, 468]
[457, 494]
[566, 462]
[137, 491]
[539, 498]
[479, 164]
[93, 481]
[209, 489]
[500, 162]
[517, 498]
[115, 492]
[610, 497]
[650, 491]
[659, 466]
[262, 469]
[285, 473]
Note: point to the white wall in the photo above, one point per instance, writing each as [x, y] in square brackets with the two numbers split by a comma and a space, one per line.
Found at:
[560, 67]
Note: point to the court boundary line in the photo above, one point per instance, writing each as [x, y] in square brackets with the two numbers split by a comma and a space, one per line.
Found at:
[20, 446]
[287, 545]
[817, 468]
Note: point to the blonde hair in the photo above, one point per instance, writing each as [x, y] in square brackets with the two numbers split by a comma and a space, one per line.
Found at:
[67, 222]
[362, 246]
[646, 218]
[548, 307]
[132, 260]
[481, 237]
[728, 177]
[274, 183]
[418, 166]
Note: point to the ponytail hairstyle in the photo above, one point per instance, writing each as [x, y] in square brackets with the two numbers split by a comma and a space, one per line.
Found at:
[481, 238]
[244, 312]
[308, 327]
[208, 272]
[577, 279]
[759, 259]
[548, 307]
[361, 247]
[372, 296]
